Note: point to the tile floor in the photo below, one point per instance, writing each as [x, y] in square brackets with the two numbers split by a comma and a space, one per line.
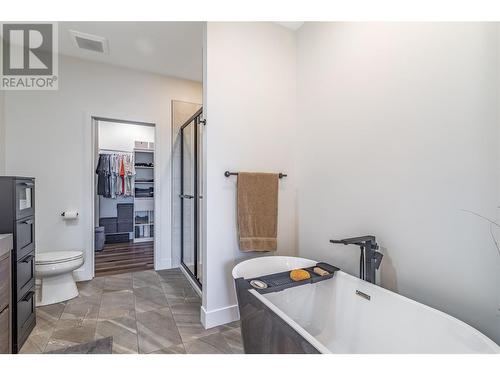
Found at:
[144, 312]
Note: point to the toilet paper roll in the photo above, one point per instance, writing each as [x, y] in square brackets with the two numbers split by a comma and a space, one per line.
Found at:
[70, 215]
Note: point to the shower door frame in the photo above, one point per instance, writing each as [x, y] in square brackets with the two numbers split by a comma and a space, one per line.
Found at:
[194, 120]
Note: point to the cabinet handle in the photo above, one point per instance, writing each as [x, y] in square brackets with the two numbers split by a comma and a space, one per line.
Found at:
[27, 259]
[28, 296]
[27, 184]
[27, 222]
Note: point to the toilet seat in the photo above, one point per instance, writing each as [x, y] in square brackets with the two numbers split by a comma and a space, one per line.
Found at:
[55, 257]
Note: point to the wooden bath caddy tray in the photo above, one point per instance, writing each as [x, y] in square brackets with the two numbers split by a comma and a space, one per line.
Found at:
[280, 281]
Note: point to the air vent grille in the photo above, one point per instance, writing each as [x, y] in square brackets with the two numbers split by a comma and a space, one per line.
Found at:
[90, 42]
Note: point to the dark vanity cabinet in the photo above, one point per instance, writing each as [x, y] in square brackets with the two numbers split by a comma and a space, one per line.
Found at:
[17, 216]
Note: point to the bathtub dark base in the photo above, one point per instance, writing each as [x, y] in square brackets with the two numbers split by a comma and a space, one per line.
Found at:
[263, 331]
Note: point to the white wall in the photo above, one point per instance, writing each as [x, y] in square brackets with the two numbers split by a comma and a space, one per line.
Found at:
[398, 131]
[48, 136]
[120, 136]
[250, 109]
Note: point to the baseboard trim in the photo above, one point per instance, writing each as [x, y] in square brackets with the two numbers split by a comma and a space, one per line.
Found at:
[163, 264]
[217, 317]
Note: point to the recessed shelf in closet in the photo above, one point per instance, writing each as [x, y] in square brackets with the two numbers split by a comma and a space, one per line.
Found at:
[144, 204]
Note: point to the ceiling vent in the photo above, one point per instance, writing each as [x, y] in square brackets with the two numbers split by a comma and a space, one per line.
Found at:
[90, 42]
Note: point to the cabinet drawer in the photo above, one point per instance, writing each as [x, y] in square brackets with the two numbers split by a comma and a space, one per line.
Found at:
[25, 274]
[25, 198]
[25, 312]
[5, 330]
[25, 236]
[4, 282]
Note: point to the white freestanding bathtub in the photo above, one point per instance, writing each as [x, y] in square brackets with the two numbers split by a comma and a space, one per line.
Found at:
[348, 315]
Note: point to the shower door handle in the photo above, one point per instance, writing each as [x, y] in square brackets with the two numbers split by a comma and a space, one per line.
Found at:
[185, 196]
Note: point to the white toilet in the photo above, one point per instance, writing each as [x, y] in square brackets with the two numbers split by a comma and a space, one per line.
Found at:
[55, 271]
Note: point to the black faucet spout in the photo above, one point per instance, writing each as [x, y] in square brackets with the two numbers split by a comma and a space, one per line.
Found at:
[370, 258]
[356, 240]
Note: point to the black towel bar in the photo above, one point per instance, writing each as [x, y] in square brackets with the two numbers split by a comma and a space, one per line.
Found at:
[227, 174]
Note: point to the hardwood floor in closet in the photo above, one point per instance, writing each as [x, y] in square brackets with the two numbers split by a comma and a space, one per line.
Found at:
[124, 257]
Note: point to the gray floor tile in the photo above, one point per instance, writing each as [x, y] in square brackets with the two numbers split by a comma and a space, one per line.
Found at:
[145, 279]
[175, 349]
[117, 283]
[82, 307]
[47, 316]
[30, 347]
[157, 330]
[234, 340]
[173, 272]
[144, 312]
[39, 337]
[172, 275]
[181, 282]
[91, 288]
[124, 332]
[71, 332]
[187, 308]
[116, 304]
[228, 326]
[190, 327]
[211, 344]
[100, 346]
[149, 298]
[180, 293]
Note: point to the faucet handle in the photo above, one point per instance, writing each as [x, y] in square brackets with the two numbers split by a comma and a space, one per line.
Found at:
[377, 257]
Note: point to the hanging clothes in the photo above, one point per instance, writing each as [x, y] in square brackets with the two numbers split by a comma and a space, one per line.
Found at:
[101, 177]
[129, 171]
[115, 175]
[103, 171]
[116, 169]
[122, 175]
[112, 177]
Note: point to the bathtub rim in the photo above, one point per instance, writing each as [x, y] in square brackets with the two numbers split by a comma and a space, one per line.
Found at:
[305, 263]
[321, 347]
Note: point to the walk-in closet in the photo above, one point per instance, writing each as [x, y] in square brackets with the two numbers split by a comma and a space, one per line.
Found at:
[124, 202]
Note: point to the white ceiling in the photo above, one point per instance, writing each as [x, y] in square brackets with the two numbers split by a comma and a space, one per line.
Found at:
[167, 48]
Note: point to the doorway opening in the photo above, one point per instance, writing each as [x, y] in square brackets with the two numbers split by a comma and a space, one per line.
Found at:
[124, 196]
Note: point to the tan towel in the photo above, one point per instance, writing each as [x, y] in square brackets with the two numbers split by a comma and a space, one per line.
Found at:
[257, 211]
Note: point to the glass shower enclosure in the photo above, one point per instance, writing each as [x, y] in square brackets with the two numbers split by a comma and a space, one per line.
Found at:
[191, 259]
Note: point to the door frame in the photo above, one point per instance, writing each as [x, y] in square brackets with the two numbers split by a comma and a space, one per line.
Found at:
[196, 118]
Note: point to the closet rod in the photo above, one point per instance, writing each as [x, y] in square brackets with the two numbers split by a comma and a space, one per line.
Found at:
[227, 174]
[111, 150]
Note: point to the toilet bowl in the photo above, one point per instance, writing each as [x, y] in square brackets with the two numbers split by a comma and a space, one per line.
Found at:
[55, 271]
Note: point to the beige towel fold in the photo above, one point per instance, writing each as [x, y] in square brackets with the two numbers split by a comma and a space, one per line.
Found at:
[258, 211]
